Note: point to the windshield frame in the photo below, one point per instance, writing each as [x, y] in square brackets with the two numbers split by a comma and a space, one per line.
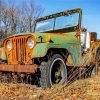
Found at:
[65, 13]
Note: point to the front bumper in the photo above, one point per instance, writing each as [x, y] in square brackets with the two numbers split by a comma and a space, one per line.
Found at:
[19, 68]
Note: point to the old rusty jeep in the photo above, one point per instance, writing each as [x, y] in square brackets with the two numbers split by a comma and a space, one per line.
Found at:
[58, 44]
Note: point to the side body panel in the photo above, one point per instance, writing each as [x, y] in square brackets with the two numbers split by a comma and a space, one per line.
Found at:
[41, 50]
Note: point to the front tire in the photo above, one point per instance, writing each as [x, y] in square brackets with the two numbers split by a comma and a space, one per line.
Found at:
[53, 72]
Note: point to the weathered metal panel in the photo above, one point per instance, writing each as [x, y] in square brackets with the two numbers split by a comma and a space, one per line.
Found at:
[66, 41]
[39, 50]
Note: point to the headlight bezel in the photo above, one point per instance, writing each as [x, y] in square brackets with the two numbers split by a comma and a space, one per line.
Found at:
[30, 42]
[9, 45]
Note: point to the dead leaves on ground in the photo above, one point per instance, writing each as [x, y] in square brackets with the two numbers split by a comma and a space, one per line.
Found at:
[86, 89]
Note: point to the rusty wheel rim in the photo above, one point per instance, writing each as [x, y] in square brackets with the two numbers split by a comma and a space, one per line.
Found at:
[58, 71]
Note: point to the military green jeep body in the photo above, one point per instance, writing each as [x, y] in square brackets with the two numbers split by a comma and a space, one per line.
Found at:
[57, 44]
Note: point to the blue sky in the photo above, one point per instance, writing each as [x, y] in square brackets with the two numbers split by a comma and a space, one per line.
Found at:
[91, 10]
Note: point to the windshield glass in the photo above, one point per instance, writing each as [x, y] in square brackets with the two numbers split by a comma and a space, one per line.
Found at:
[57, 23]
[44, 25]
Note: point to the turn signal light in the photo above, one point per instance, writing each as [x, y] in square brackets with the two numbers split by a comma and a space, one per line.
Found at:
[48, 38]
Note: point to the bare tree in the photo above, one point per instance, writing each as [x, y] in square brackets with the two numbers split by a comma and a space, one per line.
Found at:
[31, 12]
[4, 18]
[13, 16]
[20, 18]
[8, 18]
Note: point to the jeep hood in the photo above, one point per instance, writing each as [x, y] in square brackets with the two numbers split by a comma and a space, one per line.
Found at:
[58, 38]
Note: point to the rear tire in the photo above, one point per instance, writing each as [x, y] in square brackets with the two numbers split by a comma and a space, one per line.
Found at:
[53, 72]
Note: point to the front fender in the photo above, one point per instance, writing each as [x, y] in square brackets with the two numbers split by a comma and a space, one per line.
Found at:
[40, 50]
[2, 54]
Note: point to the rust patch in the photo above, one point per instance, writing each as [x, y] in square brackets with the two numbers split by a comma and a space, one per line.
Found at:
[19, 68]
[69, 61]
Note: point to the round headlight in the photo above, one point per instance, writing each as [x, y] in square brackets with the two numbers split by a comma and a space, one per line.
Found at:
[9, 45]
[30, 43]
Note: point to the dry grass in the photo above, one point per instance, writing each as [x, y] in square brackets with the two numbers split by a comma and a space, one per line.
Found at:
[86, 89]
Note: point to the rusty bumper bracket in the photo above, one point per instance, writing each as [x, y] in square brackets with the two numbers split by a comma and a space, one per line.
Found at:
[19, 68]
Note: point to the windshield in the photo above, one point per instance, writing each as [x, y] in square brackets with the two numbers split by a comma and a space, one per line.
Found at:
[57, 23]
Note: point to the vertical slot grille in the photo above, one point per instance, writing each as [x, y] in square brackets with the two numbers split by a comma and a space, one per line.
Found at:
[19, 50]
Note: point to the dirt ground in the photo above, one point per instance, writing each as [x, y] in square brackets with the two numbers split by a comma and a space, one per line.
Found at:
[84, 89]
